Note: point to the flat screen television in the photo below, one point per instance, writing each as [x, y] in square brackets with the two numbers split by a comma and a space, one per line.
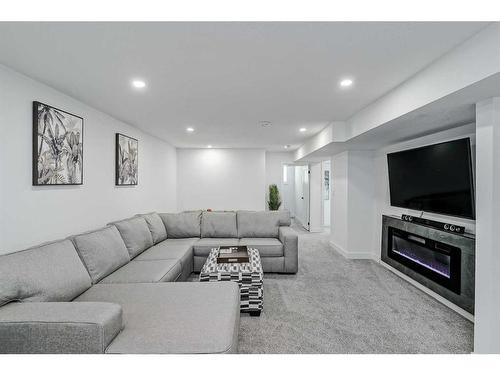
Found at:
[436, 178]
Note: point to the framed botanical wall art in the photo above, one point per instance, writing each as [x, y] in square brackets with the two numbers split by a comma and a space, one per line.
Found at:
[57, 146]
[127, 160]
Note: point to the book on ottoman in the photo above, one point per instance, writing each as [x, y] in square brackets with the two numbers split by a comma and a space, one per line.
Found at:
[233, 254]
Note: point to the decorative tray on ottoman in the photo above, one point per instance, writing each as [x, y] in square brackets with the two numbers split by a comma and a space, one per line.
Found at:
[233, 254]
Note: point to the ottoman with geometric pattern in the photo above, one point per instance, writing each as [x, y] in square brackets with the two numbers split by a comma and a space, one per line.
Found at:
[249, 277]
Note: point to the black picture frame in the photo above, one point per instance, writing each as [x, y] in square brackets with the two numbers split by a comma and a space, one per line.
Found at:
[61, 145]
[120, 180]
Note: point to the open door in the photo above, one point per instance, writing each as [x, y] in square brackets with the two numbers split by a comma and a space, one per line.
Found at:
[302, 174]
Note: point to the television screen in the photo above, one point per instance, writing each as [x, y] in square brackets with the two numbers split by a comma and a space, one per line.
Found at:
[436, 178]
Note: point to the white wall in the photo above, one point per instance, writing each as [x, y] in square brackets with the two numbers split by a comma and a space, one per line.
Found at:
[326, 166]
[353, 203]
[30, 215]
[315, 198]
[289, 191]
[361, 202]
[274, 175]
[382, 197]
[221, 179]
[487, 309]
[339, 202]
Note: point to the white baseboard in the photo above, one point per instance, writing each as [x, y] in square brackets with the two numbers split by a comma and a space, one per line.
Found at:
[430, 292]
[315, 229]
[351, 255]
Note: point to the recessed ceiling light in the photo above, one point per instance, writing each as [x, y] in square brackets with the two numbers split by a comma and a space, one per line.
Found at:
[302, 130]
[138, 84]
[265, 124]
[190, 130]
[287, 146]
[346, 82]
[209, 146]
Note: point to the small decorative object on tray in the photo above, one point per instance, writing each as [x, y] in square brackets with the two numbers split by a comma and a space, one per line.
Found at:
[233, 254]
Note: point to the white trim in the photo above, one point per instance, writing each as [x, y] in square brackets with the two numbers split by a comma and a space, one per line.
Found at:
[430, 292]
[351, 255]
[317, 229]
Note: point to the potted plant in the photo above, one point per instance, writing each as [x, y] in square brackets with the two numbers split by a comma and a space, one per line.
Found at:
[274, 201]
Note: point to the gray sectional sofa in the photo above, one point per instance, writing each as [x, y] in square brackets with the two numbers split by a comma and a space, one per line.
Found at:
[111, 290]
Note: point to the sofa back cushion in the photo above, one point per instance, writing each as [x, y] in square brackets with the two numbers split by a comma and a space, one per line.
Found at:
[136, 234]
[219, 224]
[285, 218]
[102, 251]
[156, 227]
[50, 272]
[257, 224]
[183, 224]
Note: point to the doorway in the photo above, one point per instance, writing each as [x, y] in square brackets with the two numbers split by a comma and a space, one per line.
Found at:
[326, 192]
[302, 174]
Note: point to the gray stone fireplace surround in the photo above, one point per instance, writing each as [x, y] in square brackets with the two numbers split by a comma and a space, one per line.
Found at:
[464, 297]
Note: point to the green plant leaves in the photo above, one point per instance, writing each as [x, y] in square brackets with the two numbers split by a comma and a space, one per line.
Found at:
[274, 201]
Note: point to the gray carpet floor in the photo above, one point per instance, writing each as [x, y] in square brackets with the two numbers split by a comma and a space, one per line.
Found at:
[336, 305]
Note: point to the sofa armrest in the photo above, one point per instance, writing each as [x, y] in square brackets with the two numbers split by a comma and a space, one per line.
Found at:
[290, 241]
[58, 327]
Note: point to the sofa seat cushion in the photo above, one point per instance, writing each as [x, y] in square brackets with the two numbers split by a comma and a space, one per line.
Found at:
[218, 224]
[135, 233]
[103, 251]
[51, 272]
[179, 249]
[203, 246]
[156, 227]
[182, 225]
[146, 271]
[268, 247]
[173, 317]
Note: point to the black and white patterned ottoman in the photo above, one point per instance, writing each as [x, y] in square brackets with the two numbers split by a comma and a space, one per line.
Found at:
[249, 277]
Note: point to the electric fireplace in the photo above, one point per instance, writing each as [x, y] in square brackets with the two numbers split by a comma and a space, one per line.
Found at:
[441, 261]
[437, 261]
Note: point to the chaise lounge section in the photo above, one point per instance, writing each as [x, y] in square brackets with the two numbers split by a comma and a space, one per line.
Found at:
[51, 304]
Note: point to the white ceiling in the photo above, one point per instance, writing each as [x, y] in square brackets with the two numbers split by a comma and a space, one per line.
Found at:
[451, 111]
[224, 78]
